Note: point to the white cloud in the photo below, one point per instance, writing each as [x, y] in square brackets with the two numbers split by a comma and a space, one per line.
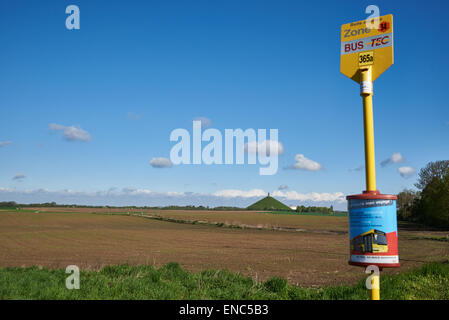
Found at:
[4, 143]
[312, 196]
[283, 187]
[360, 168]
[71, 133]
[133, 116]
[235, 193]
[288, 195]
[395, 158]
[147, 192]
[205, 122]
[406, 172]
[266, 147]
[161, 163]
[19, 176]
[144, 197]
[303, 163]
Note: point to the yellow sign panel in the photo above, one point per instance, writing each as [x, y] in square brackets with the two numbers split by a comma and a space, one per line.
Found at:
[365, 43]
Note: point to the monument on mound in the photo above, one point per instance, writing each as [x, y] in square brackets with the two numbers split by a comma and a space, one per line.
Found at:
[269, 203]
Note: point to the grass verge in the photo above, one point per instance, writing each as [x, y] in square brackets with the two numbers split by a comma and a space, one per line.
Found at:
[172, 282]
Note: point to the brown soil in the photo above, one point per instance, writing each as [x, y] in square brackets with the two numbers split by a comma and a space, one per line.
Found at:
[312, 257]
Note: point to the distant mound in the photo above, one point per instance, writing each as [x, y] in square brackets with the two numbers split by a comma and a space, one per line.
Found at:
[269, 203]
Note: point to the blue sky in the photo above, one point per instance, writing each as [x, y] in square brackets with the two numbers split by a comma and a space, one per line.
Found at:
[136, 70]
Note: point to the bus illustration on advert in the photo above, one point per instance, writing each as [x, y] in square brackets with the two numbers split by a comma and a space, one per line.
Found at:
[372, 241]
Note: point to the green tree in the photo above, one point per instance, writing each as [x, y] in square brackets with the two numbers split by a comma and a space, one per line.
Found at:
[405, 203]
[8, 204]
[431, 207]
[437, 169]
[434, 204]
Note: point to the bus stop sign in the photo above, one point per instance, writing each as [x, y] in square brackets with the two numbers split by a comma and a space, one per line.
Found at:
[366, 43]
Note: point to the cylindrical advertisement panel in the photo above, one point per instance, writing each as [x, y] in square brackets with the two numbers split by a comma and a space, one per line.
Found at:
[373, 232]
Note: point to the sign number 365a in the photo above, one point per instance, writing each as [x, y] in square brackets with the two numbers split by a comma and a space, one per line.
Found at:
[366, 58]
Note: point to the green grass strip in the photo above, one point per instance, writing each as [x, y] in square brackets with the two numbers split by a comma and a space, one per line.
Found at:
[172, 282]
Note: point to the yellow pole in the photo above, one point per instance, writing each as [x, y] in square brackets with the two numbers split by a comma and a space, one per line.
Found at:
[375, 287]
[366, 91]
